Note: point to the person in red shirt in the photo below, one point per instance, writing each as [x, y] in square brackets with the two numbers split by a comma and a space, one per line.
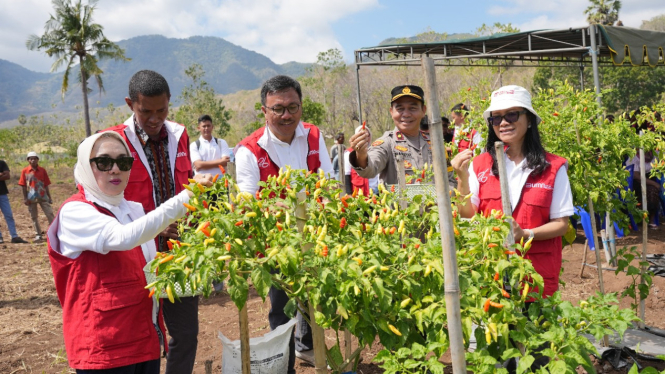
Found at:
[34, 181]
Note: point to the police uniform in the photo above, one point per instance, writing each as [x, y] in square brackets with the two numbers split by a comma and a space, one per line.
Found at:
[382, 154]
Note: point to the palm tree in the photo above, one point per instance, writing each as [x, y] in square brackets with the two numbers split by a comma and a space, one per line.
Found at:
[604, 12]
[69, 34]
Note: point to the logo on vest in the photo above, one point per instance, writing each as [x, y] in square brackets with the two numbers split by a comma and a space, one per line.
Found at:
[313, 152]
[263, 162]
[504, 92]
[483, 175]
[181, 154]
[539, 185]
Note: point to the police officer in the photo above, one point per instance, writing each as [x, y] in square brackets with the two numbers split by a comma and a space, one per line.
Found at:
[407, 109]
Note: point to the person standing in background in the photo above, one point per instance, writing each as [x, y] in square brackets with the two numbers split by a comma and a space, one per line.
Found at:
[5, 207]
[463, 136]
[208, 152]
[35, 181]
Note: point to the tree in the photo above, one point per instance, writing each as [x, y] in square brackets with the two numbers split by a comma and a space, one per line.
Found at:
[199, 98]
[657, 23]
[496, 28]
[604, 12]
[69, 34]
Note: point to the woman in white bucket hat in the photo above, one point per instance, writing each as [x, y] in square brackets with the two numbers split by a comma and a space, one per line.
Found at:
[540, 192]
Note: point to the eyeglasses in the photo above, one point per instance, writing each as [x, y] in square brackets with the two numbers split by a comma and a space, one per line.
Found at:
[105, 163]
[510, 117]
[279, 110]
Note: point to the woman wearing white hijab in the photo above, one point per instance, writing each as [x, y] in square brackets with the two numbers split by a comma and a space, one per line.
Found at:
[98, 246]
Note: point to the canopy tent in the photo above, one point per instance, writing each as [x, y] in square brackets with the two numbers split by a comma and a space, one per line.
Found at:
[564, 47]
[575, 45]
[639, 47]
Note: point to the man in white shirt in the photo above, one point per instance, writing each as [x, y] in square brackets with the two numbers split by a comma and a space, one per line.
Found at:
[208, 152]
[285, 140]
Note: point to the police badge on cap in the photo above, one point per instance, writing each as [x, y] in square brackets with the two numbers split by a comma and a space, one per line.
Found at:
[413, 91]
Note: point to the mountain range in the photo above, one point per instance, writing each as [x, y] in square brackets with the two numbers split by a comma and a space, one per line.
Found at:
[228, 68]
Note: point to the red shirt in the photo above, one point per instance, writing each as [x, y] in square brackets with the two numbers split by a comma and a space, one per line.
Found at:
[36, 180]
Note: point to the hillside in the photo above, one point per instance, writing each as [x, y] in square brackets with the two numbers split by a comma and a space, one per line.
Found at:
[229, 68]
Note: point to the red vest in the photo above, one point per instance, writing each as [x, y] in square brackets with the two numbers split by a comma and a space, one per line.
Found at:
[140, 188]
[357, 181]
[466, 140]
[533, 210]
[106, 311]
[267, 166]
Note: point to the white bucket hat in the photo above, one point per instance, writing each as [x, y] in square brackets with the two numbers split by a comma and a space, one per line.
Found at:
[508, 97]
[32, 154]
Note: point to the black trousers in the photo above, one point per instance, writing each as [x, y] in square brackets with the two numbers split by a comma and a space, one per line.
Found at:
[182, 323]
[146, 367]
[276, 317]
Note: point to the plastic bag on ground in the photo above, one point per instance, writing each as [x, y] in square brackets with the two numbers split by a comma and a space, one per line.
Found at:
[269, 354]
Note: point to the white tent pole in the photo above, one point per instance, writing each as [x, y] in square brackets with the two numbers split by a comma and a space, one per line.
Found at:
[594, 61]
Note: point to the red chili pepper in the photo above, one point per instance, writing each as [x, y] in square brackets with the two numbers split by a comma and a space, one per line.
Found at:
[152, 292]
[473, 146]
[492, 245]
[239, 223]
[417, 246]
[454, 214]
[422, 174]
[496, 276]
[364, 124]
[496, 228]
[214, 179]
[318, 184]
[324, 251]
[392, 230]
[468, 89]
[258, 195]
[170, 245]
[166, 259]
[222, 169]
[496, 305]
[226, 183]
[342, 223]
[555, 114]
[228, 247]
[355, 192]
[280, 227]
[190, 207]
[374, 199]
[205, 204]
[509, 252]
[392, 188]
[344, 198]
[486, 307]
[205, 232]
[505, 293]
[584, 110]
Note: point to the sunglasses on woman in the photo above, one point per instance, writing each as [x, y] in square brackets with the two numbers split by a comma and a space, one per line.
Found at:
[105, 163]
[510, 117]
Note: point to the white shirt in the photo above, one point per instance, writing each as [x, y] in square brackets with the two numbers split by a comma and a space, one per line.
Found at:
[294, 155]
[635, 161]
[80, 227]
[562, 196]
[373, 182]
[208, 151]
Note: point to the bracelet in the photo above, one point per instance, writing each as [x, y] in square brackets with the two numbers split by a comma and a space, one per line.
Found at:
[531, 234]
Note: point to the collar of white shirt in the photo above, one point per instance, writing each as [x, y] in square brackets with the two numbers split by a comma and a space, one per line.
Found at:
[212, 141]
[268, 137]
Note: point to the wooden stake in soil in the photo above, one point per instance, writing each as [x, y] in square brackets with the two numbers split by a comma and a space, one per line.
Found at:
[586, 242]
[244, 340]
[505, 189]
[318, 336]
[451, 275]
[645, 228]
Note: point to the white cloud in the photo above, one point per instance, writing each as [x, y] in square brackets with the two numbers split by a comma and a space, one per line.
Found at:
[283, 30]
[557, 14]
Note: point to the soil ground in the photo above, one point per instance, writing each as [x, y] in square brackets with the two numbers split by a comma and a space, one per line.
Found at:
[31, 318]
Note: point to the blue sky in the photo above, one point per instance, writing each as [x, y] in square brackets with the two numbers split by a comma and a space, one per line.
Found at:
[297, 30]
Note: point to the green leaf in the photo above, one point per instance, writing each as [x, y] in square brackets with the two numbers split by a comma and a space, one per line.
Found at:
[290, 308]
[238, 290]
[262, 281]
[525, 364]
[557, 367]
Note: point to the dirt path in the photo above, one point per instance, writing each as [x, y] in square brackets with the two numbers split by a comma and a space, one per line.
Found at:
[31, 319]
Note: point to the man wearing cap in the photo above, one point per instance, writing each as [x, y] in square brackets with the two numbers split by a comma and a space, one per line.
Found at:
[407, 109]
[35, 181]
[464, 136]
